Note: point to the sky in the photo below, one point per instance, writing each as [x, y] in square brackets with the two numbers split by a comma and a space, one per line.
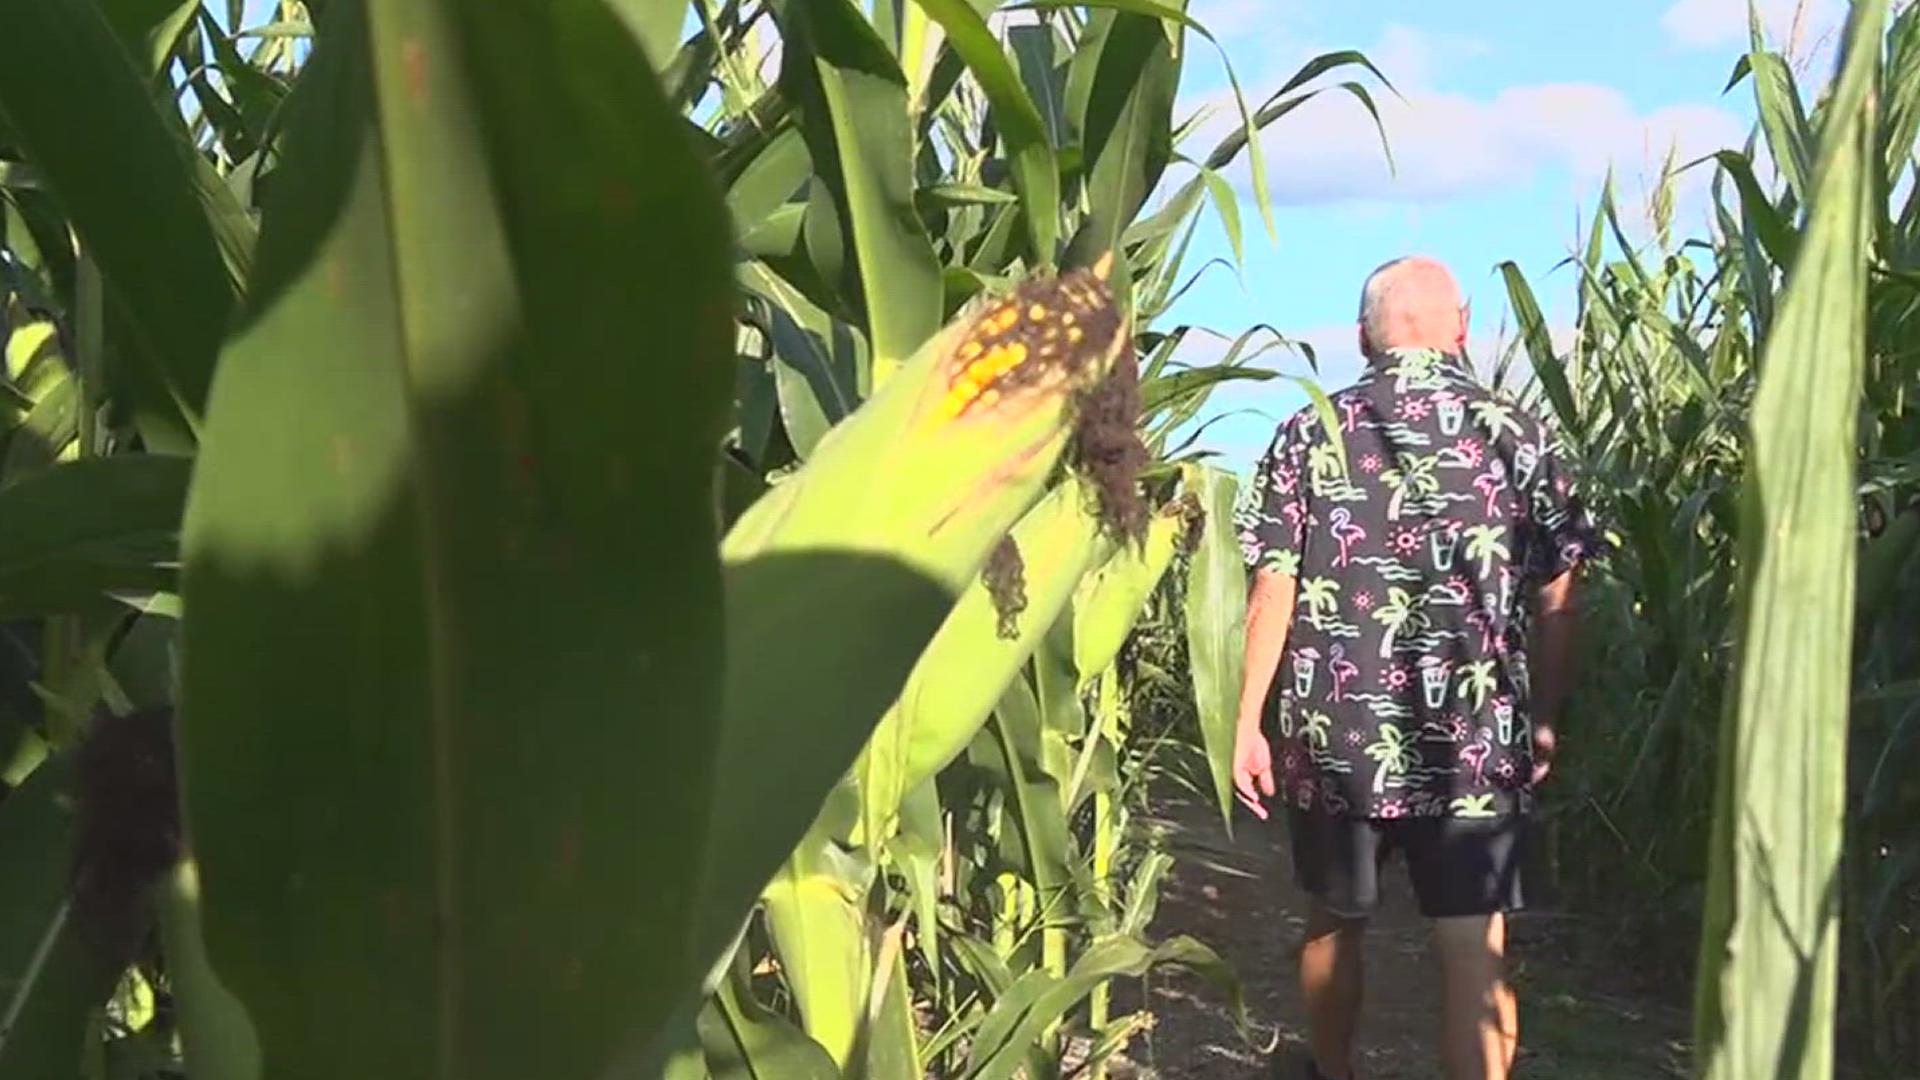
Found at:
[1509, 115]
[1504, 120]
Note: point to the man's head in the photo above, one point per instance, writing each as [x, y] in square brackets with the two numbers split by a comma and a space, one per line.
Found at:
[1412, 303]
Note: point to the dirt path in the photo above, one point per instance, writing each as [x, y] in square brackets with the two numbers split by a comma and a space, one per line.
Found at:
[1581, 1019]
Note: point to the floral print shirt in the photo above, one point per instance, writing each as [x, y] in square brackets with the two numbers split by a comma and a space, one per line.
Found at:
[1403, 690]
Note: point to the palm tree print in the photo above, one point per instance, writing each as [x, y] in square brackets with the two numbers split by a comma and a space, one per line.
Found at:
[1323, 463]
[1393, 754]
[1473, 806]
[1315, 729]
[1484, 544]
[1395, 615]
[1416, 368]
[1495, 417]
[1412, 475]
[1285, 562]
[1477, 681]
[1321, 595]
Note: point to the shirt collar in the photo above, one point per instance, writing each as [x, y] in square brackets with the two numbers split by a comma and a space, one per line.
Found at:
[1417, 368]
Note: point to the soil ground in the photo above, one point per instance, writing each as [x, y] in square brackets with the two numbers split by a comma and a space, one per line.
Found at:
[1583, 1017]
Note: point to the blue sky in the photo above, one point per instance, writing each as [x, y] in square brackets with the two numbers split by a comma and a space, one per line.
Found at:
[1510, 114]
[1514, 110]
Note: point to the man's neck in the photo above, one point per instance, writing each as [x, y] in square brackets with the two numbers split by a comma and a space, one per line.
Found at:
[1389, 357]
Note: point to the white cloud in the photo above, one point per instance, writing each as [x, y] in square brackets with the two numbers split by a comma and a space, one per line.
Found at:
[1714, 24]
[1448, 145]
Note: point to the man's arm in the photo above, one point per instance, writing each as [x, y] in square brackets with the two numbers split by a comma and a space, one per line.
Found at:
[1555, 631]
[1269, 618]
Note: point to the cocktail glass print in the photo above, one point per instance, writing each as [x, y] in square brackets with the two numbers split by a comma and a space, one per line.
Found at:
[1305, 662]
[1503, 719]
[1525, 460]
[1434, 677]
[1444, 541]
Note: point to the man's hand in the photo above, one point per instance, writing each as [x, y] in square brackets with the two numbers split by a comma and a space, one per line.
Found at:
[1555, 628]
[1269, 619]
[1252, 769]
[1545, 743]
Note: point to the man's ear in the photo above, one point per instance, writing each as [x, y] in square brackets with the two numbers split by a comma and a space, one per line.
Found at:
[1366, 348]
[1466, 319]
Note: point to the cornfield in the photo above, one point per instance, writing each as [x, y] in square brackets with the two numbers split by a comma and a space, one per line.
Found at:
[629, 516]
[1744, 401]
[668, 539]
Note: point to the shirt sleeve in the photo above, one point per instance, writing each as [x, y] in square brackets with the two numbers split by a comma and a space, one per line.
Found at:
[1272, 512]
[1561, 527]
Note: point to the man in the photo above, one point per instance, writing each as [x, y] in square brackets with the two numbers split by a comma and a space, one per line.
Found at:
[1403, 572]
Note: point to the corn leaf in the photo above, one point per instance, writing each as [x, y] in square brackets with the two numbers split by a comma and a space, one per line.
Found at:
[1018, 1019]
[970, 662]
[852, 100]
[840, 576]
[438, 469]
[217, 1039]
[1216, 616]
[63, 70]
[1108, 602]
[1770, 944]
[1035, 174]
[744, 1040]
[1540, 351]
[815, 913]
[89, 528]
[50, 979]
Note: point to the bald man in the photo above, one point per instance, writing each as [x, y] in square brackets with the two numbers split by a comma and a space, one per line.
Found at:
[1403, 573]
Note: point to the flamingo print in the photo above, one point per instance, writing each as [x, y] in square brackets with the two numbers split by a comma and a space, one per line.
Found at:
[1475, 754]
[1346, 531]
[1492, 482]
[1482, 620]
[1342, 669]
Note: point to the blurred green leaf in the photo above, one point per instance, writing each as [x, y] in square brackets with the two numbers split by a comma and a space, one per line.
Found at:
[744, 1040]
[62, 71]
[88, 528]
[218, 1041]
[50, 979]
[461, 459]
[149, 29]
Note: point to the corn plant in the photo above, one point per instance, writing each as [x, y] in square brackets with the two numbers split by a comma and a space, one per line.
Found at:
[1675, 392]
[986, 824]
[816, 762]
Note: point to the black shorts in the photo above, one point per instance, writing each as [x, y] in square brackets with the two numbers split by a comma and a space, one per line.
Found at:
[1459, 866]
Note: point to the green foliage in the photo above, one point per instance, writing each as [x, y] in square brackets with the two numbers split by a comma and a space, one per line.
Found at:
[849, 791]
[1743, 408]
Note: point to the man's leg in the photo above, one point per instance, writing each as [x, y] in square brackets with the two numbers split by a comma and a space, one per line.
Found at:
[1337, 862]
[1467, 875]
[1480, 1017]
[1331, 981]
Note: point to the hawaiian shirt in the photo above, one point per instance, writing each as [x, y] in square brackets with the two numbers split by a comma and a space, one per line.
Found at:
[1403, 689]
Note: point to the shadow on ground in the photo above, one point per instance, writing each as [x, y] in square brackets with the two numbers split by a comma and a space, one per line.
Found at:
[1581, 1019]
